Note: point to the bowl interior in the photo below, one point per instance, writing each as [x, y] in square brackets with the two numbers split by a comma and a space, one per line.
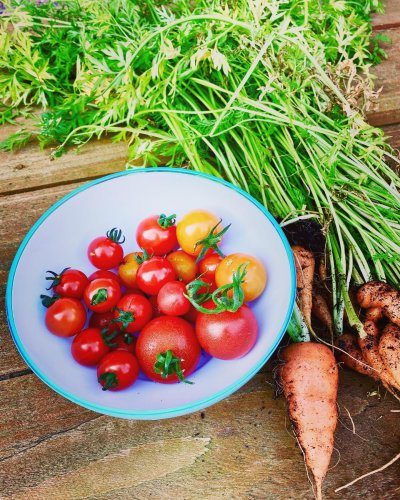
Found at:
[60, 238]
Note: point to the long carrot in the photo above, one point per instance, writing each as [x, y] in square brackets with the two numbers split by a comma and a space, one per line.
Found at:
[305, 265]
[309, 378]
[389, 350]
[370, 349]
[351, 356]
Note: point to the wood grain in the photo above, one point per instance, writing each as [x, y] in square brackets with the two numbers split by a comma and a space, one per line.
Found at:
[239, 448]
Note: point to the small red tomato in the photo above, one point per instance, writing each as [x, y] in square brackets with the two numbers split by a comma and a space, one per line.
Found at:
[101, 320]
[171, 299]
[208, 266]
[167, 349]
[133, 312]
[191, 315]
[227, 335]
[88, 347]
[157, 234]
[65, 317]
[105, 252]
[102, 295]
[69, 283]
[124, 341]
[101, 273]
[117, 370]
[153, 274]
[154, 305]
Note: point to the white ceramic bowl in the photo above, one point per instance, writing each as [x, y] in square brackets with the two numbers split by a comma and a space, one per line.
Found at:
[60, 238]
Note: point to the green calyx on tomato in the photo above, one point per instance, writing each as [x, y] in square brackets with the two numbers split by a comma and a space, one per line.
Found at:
[124, 317]
[100, 296]
[229, 297]
[115, 235]
[110, 380]
[141, 258]
[193, 291]
[165, 221]
[168, 364]
[55, 278]
[108, 336]
[211, 241]
[47, 301]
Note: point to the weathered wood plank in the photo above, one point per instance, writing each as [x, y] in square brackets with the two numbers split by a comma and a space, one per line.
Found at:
[388, 19]
[393, 134]
[239, 448]
[31, 168]
[387, 108]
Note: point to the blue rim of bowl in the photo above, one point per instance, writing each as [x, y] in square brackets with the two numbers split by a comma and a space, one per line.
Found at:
[168, 412]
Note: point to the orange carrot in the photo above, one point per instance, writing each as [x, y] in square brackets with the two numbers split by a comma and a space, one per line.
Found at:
[370, 349]
[378, 294]
[389, 350]
[320, 310]
[309, 379]
[352, 357]
[374, 314]
[305, 265]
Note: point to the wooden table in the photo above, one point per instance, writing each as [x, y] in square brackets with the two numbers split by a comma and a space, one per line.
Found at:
[242, 447]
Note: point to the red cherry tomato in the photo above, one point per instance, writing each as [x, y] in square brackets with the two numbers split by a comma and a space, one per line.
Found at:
[124, 341]
[191, 315]
[101, 273]
[227, 335]
[171, 299]
[66, 317]
[153, 274]
[69, 283]
[208, 266]
[133, 311]
[168, 341]
[105, 252]
[157, 234]
[154, 305]
[88, 347]
[101, 320]
[102, 295]
[117, 370]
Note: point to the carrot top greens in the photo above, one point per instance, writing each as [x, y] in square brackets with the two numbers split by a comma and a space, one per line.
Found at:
[268, 94]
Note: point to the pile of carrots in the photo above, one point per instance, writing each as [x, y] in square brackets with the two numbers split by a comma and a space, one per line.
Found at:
[308, 374]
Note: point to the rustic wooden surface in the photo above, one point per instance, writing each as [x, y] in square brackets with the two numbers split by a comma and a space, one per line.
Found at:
[240, 448]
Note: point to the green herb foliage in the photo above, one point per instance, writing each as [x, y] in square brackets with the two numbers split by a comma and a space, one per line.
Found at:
[269, 94]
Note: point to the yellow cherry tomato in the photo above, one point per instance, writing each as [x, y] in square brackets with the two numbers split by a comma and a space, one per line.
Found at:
[184, 265]
[256, 275]
[128, 269]
[196, 226]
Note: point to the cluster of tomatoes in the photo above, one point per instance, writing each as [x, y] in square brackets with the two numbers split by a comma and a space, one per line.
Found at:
[161, 306]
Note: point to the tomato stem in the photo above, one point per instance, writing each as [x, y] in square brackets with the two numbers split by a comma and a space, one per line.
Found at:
[47, 301]
[229, 297]
[110, 380]
[166, 221]
[116, 235]
[146, 256]
[124, 317]
[168, 364]
[211, 241]
[108, 337]
[55, 278]
[100, 296]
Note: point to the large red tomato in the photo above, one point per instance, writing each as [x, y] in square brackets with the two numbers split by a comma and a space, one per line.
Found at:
[167, 349]
[227, 335]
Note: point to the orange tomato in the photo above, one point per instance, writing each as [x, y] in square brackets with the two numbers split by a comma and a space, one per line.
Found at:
[255, 279]
[184, 265]
[128, 269]
[193, 227]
